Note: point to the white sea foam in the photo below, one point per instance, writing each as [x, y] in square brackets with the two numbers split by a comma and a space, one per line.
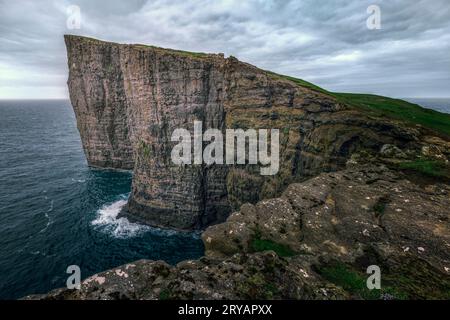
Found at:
[49, 220]
[108, 222]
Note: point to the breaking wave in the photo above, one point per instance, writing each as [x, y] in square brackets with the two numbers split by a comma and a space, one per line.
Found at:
[108, 222]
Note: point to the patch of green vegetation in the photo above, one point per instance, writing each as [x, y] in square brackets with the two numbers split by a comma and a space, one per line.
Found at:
[109, 68]
[355, 282]
[300, 82]
[398, 109]
[384, 106]
[419, 280]
[258, 245]
[145, 149]
[181, 52]
[164, 294]
[271, 290]
[380, 206]
[256, 286]
[427, 167]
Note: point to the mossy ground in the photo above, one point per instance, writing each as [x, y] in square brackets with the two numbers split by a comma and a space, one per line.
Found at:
[258, 244]
[145, 148]
[257, 286]
[427, 167]
[165, 295]
[355, 282]
[300, 82]
[385, 107]
[409, 278]
[398, 109]
[181, 52]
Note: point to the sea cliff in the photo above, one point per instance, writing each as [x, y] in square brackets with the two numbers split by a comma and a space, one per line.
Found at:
[128, 100]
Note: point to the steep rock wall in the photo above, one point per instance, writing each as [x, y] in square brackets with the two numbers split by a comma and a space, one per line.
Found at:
[128, 99]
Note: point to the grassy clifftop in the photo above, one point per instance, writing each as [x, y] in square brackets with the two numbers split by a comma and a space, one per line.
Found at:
[399, 109]
[386, 107]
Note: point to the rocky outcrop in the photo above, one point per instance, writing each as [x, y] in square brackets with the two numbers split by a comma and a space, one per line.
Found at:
[315, 241]
[128, 99]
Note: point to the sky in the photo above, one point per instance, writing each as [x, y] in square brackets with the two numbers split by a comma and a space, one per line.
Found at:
[328, 43]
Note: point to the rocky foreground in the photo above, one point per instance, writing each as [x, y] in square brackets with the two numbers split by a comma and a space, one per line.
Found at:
[313, 242]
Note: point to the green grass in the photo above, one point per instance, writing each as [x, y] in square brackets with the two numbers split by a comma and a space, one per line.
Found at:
[355, 282]
[300, 82]
[380, 206]
[427, 167]
[182, 52]
[259, 245]
[374, 104]
[398, 109]
[145, 149]
[164, 295]
[384, 106]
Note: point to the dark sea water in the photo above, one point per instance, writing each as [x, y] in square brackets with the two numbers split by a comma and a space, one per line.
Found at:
[55, 211]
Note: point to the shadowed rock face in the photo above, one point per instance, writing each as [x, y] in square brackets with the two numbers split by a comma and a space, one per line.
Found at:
[128, 99]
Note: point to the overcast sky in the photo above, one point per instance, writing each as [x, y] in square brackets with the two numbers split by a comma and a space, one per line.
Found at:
[325, 42]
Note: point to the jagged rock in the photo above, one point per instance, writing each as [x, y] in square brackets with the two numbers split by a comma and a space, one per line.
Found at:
[128, 99]
[389, 150]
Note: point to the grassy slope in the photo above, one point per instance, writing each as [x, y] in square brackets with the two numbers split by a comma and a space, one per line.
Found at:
[386, 107]
[399, 109]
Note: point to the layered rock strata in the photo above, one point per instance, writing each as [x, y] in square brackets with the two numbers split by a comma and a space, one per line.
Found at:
[128, 100]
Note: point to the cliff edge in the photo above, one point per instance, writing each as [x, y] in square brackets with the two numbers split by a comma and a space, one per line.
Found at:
[128, 99]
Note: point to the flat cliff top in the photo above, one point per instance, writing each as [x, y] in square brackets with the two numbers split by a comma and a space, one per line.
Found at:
[93, 41]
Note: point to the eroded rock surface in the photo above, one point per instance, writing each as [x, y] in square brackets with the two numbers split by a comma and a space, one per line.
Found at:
[128, 100]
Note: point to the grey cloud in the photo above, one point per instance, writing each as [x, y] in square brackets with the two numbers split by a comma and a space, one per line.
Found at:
[325, 42]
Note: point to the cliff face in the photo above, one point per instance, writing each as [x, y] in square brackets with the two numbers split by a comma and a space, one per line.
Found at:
[128, 99]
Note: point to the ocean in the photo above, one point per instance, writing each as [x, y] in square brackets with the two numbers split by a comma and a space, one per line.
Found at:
[55, 211]
[438, 104]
